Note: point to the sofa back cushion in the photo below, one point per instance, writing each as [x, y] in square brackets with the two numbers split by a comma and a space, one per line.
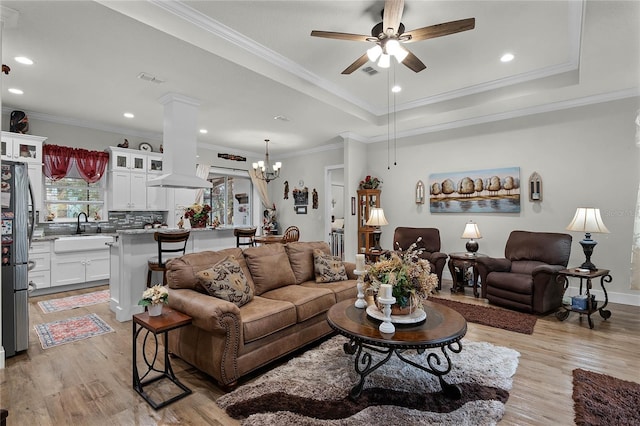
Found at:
[546, 247]
[301, 258]
[181, 271]
[269, 266]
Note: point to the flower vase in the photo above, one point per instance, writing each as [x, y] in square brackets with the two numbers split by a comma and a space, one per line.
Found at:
[202, 223]
[155, 310]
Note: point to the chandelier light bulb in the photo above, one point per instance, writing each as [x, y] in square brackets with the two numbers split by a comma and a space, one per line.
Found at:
[384, 61]
[374, 52]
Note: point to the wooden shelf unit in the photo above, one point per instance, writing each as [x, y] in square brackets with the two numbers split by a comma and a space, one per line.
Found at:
[367, 198]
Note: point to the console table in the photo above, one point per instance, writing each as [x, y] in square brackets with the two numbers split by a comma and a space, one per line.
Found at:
[464, 261]
[591, 307]
[169, 320]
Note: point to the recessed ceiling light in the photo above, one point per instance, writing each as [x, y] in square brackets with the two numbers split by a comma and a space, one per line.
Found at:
[281, 118]
[16, 91]
[204, 131]
[128, 115]
[396, 89]
[507, 57]
[23, 60]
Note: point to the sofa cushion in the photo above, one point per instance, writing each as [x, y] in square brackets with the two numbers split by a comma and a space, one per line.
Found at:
[263, 317]
[269, 266]
[181, 271]
[301, 258]
[342, 290]
[226, 281]
[309, 302]
[328, 268]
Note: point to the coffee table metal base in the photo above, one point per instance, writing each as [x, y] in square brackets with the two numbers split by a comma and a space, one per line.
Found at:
[435, 364]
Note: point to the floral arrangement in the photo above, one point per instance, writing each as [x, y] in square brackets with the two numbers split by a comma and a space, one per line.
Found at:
[198, 214]
[409, 275]
[370, 183]
[154, 296]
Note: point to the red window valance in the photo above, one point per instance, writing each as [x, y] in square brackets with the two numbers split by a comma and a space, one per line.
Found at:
[58, 161]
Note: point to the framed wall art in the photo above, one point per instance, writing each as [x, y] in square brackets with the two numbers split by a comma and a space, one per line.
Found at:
[353, 206]
[476, 191]
[301, 209]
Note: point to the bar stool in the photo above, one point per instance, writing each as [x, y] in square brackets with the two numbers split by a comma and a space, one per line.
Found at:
[168, 242]
[291, 234]
[244, 236]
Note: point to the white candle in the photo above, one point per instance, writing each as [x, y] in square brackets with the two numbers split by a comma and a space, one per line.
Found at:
[385, 291]
[359, 262]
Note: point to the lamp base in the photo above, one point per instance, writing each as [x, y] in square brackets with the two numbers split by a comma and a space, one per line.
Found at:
[472, 246]
[587, 246]
[376, 240]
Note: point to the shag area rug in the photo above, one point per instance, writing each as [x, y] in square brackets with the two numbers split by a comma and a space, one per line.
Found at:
[313, 389]
[599, 399]
[71, 330]
[493, 317]
[72, 302]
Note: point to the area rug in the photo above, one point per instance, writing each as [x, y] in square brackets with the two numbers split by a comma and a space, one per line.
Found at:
[72, 302]
[493, 317]
[313, 388]
[599, 399]
[71, 330]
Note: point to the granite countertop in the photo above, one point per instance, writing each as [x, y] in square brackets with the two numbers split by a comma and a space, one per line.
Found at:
[152, 230]
[55, 237]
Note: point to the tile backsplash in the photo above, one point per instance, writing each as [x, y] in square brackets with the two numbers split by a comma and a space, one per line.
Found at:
[117, 221]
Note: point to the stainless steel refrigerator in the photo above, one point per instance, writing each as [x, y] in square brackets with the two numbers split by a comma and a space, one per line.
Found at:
[18, 220]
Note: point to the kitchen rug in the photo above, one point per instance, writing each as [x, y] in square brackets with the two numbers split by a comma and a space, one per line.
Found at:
[72, 302]
[71, 330]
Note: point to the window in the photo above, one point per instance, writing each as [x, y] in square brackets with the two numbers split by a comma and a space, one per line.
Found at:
[67, 197]
[230, 198]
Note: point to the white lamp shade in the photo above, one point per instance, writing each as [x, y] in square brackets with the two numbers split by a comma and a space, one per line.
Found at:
[374, 53]
[471, 231]
[376, 217]
[587, 219]
[384, 61]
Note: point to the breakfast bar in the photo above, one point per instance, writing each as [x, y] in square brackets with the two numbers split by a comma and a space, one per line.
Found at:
[130, 253]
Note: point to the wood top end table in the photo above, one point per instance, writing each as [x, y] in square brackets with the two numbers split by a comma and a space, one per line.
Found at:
[464, 261]
[591, 304]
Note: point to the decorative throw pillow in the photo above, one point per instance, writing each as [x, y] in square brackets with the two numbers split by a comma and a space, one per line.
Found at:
[328, 268]
[226, 281]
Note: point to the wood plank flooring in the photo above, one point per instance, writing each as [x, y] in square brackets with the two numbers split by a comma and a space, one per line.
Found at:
[89, 382]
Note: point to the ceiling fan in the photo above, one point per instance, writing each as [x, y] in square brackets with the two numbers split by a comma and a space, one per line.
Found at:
[389, 35]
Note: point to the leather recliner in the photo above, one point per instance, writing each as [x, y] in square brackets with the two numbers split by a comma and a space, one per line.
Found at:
[403, 237]
[525, 279]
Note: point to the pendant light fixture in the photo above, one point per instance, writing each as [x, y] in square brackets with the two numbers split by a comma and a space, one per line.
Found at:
[262, 168]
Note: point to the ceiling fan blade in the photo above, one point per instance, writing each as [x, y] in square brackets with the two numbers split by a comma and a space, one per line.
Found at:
[357, 64]
[340, 36]
[440, 30]
[392, 15]
[412, 62]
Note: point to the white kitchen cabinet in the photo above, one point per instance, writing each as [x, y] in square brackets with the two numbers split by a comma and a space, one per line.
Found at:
[156, 195]
[79, 267]
[123, 159]
[40, 275]
[127, 190]
[26, 149]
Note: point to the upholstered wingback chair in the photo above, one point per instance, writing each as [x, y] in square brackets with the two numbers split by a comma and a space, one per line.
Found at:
[403, 237]
[525, 279]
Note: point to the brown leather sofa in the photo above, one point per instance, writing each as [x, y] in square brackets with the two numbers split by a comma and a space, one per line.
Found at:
[525, 279]
[287, 312]
[403, 237]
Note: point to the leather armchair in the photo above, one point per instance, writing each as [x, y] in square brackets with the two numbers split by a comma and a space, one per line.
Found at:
[525, 279]
[403, 237]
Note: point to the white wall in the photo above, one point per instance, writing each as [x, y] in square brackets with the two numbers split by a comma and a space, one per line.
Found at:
[586, 157]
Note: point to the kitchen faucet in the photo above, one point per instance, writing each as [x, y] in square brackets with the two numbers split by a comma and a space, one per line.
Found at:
[86, 219]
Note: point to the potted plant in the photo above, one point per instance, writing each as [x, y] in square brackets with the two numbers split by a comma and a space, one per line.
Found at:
[198, 215]
[370, 183]
[153, 298]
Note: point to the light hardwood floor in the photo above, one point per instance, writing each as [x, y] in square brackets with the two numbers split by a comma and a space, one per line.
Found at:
[89, 382]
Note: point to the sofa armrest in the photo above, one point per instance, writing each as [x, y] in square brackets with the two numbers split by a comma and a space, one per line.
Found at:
[547, 269]
[208, 312]
[350, 267]
[486, 265]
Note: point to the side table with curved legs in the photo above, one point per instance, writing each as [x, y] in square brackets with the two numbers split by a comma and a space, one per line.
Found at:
[563, 279]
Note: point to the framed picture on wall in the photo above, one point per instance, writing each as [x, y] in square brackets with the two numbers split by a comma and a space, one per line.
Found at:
[476, 191]
[301, 209]
[353, 206]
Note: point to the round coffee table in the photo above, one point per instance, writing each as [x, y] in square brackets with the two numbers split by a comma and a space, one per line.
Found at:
[442, 329]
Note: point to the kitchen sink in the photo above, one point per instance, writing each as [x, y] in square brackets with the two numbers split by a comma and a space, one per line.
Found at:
[81, 243]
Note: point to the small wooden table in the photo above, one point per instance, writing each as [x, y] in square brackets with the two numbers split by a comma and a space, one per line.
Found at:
[464, 261]
[269, 239]
[373, 256]
[443, 328]
[563, 279]
[169, 320]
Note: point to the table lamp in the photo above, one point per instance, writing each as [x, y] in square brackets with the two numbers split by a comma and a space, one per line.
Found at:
[588, 220]
[377, 219]
[471, 231]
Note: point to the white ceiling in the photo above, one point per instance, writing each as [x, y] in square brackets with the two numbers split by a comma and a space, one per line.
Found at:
[248, 61]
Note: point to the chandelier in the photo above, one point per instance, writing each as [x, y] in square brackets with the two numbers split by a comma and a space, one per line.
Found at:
[261, 168]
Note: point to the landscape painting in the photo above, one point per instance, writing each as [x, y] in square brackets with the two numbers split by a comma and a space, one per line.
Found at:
[477, 191]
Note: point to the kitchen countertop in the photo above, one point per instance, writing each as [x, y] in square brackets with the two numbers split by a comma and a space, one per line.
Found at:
[129, 232]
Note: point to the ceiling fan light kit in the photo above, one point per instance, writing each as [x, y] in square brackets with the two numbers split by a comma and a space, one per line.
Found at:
[389, 35]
